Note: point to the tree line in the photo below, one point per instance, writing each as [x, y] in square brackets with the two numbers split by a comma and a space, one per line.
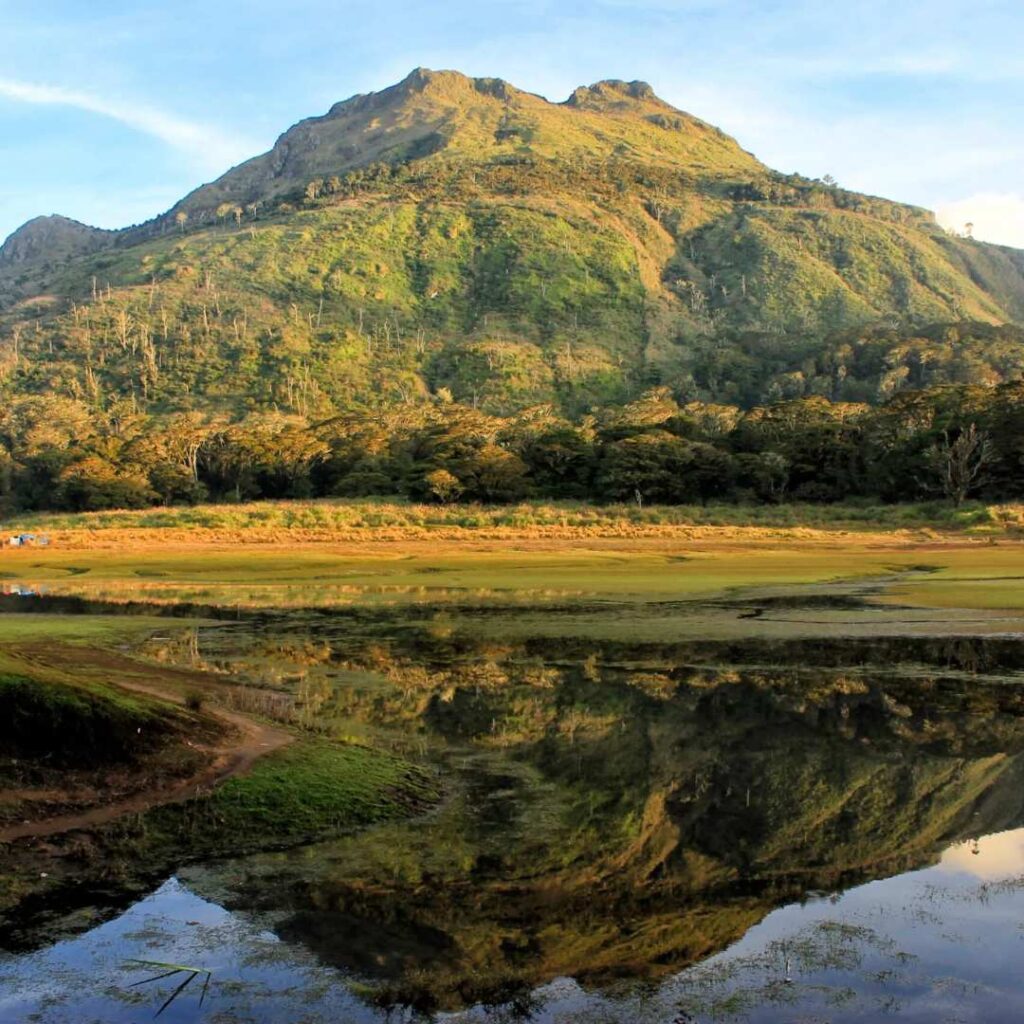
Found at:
[58, 453]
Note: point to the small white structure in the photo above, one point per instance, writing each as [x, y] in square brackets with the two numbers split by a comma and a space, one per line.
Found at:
[27, 540]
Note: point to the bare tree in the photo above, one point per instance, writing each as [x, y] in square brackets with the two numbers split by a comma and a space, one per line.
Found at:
[962, 461]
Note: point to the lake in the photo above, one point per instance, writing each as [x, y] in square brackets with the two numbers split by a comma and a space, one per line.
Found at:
[668, 814]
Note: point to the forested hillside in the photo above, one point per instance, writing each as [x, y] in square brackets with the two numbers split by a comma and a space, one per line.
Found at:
[454, 247]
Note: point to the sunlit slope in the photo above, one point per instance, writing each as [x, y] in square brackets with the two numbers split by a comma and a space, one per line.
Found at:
[457, 237]
[447, 116]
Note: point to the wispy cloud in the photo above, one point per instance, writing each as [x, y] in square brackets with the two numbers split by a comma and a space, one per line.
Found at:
[210, 147]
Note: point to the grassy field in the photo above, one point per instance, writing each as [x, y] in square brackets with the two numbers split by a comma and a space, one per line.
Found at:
[622, 554]
[67, 687]
[77, 735]
[16, 631]
[76, 629]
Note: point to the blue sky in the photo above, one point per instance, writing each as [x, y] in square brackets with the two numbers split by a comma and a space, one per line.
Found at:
[110, 110]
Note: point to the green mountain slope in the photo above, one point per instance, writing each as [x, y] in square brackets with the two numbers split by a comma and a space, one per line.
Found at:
[458, 238]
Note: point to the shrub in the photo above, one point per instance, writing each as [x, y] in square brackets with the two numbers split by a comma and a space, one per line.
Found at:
[194, 700]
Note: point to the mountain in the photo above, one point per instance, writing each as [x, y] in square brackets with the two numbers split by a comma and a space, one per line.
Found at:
[50, 238]
[42, 244]
[476, 120]
[458, 238]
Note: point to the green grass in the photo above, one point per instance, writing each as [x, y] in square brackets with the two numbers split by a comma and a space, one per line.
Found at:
[310, 789]
[229, 578]
[344, 552]
[990, 579]
[85, 685]
[535, 553]
[65, 724]
[76, 629]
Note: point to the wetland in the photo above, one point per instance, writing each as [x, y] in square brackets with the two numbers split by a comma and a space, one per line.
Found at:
[779, 800]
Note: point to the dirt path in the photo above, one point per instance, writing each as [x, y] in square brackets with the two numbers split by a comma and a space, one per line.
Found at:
[244, 742]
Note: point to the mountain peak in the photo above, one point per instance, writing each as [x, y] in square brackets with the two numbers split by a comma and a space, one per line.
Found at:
[474, 121]
[614, 92]
[49, 236]
[606, 93]
[450, 87]
[422, 80]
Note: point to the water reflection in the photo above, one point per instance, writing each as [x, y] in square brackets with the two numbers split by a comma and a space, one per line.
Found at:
[618, 811]
[926, 946]
[255, 977]
[988, 858]
[624, 820]
[940, 944]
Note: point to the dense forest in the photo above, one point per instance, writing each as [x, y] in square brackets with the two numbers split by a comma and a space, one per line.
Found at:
[58, 453]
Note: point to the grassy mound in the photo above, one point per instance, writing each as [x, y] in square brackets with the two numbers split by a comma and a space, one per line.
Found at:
[73, 728]
[309, 790]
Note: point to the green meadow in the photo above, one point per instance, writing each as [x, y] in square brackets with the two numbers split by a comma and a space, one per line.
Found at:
[961, 572]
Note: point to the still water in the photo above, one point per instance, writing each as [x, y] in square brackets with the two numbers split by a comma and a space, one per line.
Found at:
[633, 830]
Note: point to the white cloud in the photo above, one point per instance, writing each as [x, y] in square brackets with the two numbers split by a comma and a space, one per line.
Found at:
[208, 146]
[996, 216]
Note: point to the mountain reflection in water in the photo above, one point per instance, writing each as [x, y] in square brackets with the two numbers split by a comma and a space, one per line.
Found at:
[940, 944]
[627, 816]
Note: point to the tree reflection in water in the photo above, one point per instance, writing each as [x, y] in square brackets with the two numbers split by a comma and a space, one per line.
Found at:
[617, 811]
